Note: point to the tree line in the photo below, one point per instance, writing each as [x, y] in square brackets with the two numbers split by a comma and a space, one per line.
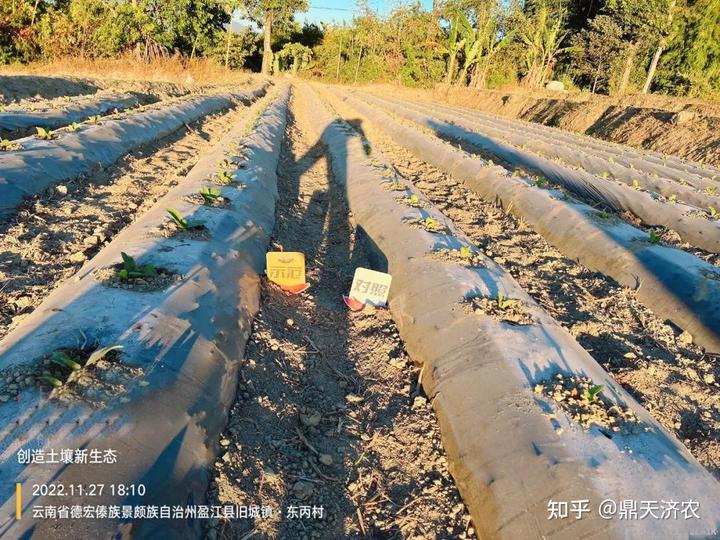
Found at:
[604, 46]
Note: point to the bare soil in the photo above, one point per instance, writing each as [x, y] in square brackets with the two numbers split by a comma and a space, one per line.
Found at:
[329, 411]
[51, 235]
[670, 376]
[648, 122]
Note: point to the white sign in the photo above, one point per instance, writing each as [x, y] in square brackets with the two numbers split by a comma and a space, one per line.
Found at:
[370, 287]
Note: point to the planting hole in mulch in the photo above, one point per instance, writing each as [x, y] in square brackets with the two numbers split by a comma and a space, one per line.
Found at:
[170, 230]
[210, 199]
[102, 378]
[394, 186]
[509, 310]
[412, 201]
[93, 375]
[157, 281]
[465, 257]
[428, 224]
[583, 401]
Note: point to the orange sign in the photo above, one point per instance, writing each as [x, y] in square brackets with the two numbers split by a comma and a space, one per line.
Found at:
[285, 268]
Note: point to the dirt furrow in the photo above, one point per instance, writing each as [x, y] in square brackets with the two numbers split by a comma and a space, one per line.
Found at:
[329, 413]
[53, 234]
[669, 375]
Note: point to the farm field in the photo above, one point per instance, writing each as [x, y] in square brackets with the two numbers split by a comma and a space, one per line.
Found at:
[551, 331]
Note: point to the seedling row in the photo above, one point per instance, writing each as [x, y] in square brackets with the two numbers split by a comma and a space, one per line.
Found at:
[669, 277]
[664, 165]
[34, 164]
[17, 123]
[149, 333]
[513, 390]
[694, 226]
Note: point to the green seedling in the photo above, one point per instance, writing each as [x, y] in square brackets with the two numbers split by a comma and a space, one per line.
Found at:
[713, 212]
[672, 198]
[636, 184]
[223, 177]
[603, 215]
[711, 190]
[182, 223]
[73, 127]
[45, 134]
[413, 201]
[432, 225]
[565, 196]
[611, 159]
[604, 174]
[209, 194]
[367, 148]
[6, 145]
[51, 381]
[654, 238]
[131, 270]
[591, 394]
[65, 360]
[540, 182]
[94, 119]
[465, 252]
[504, 303]
[224, 164]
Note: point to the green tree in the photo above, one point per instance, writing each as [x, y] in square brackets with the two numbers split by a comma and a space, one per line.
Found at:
[691, 64]
[595, 50]
[640, 21]
[270, 12]
[542, 30]
[296, 55]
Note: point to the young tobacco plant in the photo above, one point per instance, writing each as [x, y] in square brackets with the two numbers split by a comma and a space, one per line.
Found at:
[182, 223]
[45, 134]
[73, 127]
[131, 270]
[465, 252]
[223, 177]
[654, 238]
[504, 303]
[94, 119]
[6, 145]
[713, 212]
[432, 225]
[51, 381]
[591, 394]
[209, 194]
[63, 359]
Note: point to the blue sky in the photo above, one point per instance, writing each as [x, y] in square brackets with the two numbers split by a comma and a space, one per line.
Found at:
[342, 10]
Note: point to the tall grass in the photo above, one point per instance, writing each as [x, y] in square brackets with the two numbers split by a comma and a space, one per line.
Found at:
[176, 70]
